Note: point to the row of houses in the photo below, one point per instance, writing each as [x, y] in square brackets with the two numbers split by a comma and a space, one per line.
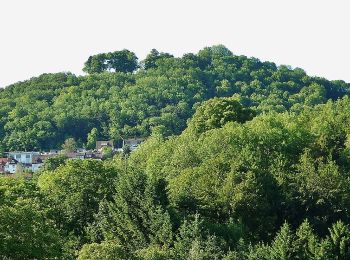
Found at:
[18, 161]
[32, 161]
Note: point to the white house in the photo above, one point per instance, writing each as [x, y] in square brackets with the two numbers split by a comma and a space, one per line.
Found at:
[35, 167]
[23, 157]
[11, 166]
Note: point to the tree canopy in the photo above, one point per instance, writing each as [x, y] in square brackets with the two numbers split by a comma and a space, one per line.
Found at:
[41, 113]
[243, 160]
[122, 61]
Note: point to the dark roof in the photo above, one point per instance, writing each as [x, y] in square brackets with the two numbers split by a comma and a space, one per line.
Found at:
[37, 160]
[13, 161]
[100, 144]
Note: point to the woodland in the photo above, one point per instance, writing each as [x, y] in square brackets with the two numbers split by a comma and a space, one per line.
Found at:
[243, 159]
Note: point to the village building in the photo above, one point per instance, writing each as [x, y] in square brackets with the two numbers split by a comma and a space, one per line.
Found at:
[21, 161]
[3, 162]
[133, 143]
[37, 163]
[56, 151]
[75, 155]
[84, 155]
[23, 157]
[31, 162]
[102, 144]
[11, 166]
[93, 155]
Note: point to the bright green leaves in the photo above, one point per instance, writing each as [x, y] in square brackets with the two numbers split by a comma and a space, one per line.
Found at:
[216, 112]
[92, 138]
[108, 250]
[74, 191]
[25, 232]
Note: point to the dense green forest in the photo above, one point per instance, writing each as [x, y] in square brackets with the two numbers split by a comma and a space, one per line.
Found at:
[122, 97]
[243, 160]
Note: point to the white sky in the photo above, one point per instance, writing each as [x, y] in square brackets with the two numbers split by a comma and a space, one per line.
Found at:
[39, 36]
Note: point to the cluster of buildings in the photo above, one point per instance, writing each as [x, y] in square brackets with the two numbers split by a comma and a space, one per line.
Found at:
[20, 161]
[17, 162]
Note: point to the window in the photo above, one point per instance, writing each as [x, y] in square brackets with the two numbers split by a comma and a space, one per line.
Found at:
[27, 156]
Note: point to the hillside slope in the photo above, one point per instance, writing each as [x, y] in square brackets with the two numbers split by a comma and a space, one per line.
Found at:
[159, 97]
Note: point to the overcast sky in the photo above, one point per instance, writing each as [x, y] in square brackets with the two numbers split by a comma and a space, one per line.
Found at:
[41, 36]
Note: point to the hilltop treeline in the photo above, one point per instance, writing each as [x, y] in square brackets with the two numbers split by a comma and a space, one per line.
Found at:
[122, 97]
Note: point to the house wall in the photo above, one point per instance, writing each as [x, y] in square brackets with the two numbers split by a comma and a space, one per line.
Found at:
[11, 168]
[36, 167]
[23, 157]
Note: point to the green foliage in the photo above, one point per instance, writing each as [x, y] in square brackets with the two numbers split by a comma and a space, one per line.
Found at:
[2, 150]
[108, 250]
[261, 171]
[123, 61]
[216, 112]
[12, 189]
[306, 244]
[53, 163]
[25, 233]
[192, 243]
[281, 247]
[69, 145]
[153, 253]
[322, 191]
[92, 138]
[73, 192]
[42, 112]
[107, 152]
[153, 57]
[25, 230]
[135, 217]
[340, 239]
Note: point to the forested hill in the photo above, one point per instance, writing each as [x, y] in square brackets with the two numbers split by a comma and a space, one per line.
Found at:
[258, 169]
[122, 97]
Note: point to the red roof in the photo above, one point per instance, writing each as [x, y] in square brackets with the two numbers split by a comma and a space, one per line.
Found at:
[4, 160]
